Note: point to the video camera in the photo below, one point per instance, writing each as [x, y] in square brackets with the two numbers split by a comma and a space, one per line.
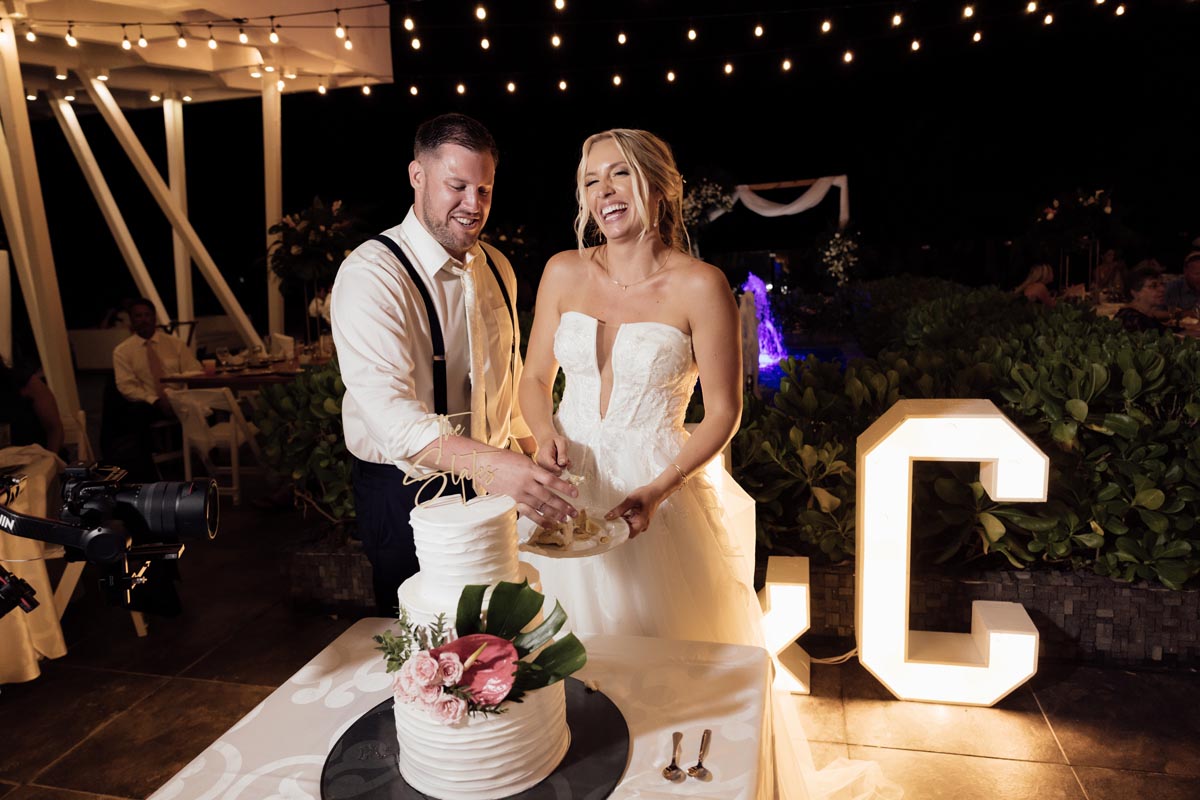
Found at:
[122, 527]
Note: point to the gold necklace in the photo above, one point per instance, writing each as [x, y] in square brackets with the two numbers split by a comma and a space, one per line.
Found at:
[625, 286]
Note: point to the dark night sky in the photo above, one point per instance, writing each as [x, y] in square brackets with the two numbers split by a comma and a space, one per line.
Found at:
[955, 148]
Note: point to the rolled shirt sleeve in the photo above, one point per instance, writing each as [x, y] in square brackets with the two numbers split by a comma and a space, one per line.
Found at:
[382, 341]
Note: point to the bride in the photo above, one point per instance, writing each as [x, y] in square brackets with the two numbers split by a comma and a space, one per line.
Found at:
[634, 322]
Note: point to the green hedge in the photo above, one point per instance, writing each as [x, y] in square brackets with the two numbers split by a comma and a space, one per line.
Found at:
[1117, 413]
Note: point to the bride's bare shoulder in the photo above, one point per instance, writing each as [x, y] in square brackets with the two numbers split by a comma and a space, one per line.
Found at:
[569, 265]
[701, 277]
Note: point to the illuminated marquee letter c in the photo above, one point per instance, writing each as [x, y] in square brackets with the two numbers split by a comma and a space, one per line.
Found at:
[1000, 652]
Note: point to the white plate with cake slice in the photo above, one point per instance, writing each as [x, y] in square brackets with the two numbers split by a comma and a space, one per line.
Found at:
[589, 534]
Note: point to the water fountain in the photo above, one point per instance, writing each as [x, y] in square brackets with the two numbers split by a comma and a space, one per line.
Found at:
[770, 343]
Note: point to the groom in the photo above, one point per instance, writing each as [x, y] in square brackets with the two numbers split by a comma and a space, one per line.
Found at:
[424, 322]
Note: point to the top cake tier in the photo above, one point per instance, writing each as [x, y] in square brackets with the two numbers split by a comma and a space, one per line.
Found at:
[465, 543]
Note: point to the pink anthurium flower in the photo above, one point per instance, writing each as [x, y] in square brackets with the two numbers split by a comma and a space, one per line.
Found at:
[489, 665]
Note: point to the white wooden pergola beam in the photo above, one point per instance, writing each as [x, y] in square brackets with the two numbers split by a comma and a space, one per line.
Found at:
[69, 123]
[53, 345]
[14, 226]
[177, 176]
[272, 107]
[112, 114]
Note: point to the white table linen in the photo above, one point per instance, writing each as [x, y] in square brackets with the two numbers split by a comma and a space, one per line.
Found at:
[279, 748]
[26, 638]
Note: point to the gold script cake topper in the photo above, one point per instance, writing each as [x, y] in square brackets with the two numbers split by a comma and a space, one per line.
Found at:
[458, 474]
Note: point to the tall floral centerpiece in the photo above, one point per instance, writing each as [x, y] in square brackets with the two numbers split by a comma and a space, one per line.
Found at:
[839, 253]
[311, 246]
[703, 201]
[484, 662]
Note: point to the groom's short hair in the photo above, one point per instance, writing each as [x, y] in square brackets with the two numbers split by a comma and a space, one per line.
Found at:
[456, 129]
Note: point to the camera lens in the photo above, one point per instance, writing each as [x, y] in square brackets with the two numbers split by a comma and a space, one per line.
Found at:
[187, 510]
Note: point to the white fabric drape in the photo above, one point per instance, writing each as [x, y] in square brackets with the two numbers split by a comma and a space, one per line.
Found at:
[811, 197]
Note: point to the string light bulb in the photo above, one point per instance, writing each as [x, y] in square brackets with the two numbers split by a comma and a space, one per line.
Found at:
[480, 13]
[69, 96]
[728, 68]
[413, 90]
[212, 43]
[484, 43]
[366, 89]
[155, 97]
[511, 87]
[242, 37]
[321, 88]
[897, 20]
[60, 73]
[555, 40]
[616, 80]
[826, 26]
[562, 86]
[102, 75]
[1120, 10]
[269, 68]
[30, 36]
[1030, 7]
[70, 37]
[1099, 2]
[691, 34]
[786, 66]
[1048, 19]
[461, 88]
[560, 4]
[31, 95]
[339, 31]
[125, 43]
[142, 37]
[279, 84]
[848, 56]
[670, 76]
[409, 25]
[182, 40]
[621, 38]
[968, 12]
[255, 72]
[977, 37]
[346, 43]
[916, 45]
[416, 43]
[187, 98]
[758, 31]
[273, 36]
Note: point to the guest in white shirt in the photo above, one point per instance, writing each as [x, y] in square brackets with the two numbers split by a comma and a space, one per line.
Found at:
[139, 364]
[134, 359]
[403, 401]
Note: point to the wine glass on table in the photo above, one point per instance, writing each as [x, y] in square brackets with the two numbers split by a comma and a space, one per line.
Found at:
[223, 357]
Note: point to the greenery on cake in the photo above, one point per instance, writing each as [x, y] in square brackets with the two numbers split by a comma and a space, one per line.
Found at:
[484, 661]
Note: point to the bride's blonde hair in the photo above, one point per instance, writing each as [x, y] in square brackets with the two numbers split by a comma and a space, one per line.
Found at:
[652, 166]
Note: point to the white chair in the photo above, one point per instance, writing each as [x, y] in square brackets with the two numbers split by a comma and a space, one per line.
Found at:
[193, 407]
[279, 344]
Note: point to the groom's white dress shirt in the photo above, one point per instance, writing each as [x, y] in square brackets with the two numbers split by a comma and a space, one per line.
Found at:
[385, 351]
[131, 367]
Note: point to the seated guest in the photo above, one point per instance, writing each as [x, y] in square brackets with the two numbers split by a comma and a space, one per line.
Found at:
[1184, 291]
[1036, 286]
[1110, 276]
[29, 410]
[139, 365]
[1144, 311]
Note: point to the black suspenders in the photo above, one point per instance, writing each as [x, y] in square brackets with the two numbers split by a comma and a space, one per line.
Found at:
[435, 325]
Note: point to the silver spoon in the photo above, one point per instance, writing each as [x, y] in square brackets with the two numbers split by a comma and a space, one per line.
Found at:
[698, 770]
[672, 772]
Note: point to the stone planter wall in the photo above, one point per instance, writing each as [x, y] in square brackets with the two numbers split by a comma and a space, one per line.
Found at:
[1079, 617]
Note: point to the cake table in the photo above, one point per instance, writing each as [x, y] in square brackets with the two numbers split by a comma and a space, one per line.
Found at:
[660, 686]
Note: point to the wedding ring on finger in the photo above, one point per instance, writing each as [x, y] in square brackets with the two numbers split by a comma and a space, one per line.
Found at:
[539, 508]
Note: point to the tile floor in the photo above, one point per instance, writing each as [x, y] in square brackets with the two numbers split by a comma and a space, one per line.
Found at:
[119, 715]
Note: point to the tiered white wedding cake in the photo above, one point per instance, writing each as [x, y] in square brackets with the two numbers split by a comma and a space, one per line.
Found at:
[447, 752]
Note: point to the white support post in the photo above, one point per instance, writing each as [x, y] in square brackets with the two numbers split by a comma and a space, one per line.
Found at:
[112, 114]
[272, 103]
[6, 306]
[53, 345]
[14, 226]
[108, 205]
[177, 176]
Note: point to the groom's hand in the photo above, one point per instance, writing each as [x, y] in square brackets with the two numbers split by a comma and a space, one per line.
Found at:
[533, 487]
[552, 456]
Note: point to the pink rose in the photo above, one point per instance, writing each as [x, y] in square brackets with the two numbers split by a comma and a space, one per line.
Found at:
[449, 709]
[489, 678]
[451, 668]
[425, 669]
[404, 689]
[428, 696]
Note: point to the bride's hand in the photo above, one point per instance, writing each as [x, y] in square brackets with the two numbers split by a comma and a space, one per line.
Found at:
[552, 455]
[637, 508]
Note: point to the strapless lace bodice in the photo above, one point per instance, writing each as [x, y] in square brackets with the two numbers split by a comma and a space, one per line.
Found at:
[653, 375]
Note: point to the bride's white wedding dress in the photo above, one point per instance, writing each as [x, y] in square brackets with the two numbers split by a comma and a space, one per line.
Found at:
[683, 577]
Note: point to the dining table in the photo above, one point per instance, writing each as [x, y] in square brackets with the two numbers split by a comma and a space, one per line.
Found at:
[238, 380]
[660, 687]
[27, 638]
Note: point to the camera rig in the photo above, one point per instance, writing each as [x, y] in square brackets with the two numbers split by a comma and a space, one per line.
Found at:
[122, 527]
